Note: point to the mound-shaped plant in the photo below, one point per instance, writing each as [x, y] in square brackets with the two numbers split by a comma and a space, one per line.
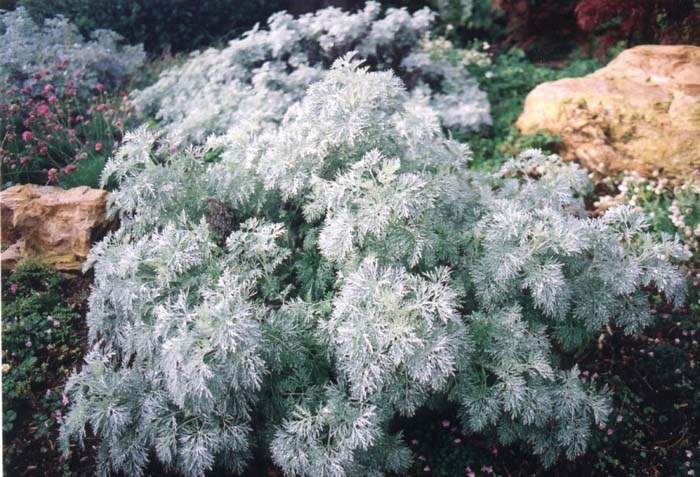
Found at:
[261, 74]
[57, 52]
[297, 286]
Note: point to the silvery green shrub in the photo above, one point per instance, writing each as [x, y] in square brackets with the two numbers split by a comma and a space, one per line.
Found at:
[56, 51]
[297, 285]
[266, 70]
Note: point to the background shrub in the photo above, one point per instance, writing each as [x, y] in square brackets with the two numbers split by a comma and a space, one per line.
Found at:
[258, 76]
[55, 50]
[173, 25]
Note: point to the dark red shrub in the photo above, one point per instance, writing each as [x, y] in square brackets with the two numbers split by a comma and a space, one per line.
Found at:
[640, 21]
[548, 25]
[542, 25]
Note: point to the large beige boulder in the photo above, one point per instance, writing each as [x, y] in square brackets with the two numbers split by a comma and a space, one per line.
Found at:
[55, 225]
[641, 112]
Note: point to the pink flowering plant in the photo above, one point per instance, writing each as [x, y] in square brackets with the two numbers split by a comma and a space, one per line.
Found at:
[58, 136]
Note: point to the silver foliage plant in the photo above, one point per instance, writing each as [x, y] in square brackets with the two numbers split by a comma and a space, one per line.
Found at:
[58, 52]
[365, 270]
[262, 73]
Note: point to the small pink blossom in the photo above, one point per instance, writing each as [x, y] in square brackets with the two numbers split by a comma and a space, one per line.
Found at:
[43, 150]
[42, 109]
[487, 469]
[101, 107]
[64, 399]
[98, 146]
[24, 160]
[445, 423]
[457, 441]
[59, 416]
[48, 89]
[426, 468]
[27, 136]
[13, 288]
[53, 100]
[53, 174]
[100, 87]
[68, 170]
[469, 472]
[71, 92]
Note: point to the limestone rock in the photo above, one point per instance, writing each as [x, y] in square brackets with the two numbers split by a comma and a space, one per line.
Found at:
[641, 112]
[50, 223]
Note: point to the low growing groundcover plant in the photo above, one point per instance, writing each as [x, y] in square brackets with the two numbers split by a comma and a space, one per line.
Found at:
[297, 286]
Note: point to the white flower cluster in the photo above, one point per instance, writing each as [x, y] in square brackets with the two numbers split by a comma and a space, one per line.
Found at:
[258, 76]
[363, 270]
[56, 51]
[640, 192]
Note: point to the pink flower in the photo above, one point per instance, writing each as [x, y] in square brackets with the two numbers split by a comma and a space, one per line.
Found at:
[24, 160]
[457, 441]
[27, 90]
[426, 468]
[100, 87]
[64, 399]
[68, 170]
[48, 89]
[53, 100]
[469, 472]
[488, 469]
[445, 423]
[37, 75]
[43, 150]
[42, 109]
[56, 324]
[70, 91]
[13, 288]
[27, 136]
[98, 146]
[53, 174]
[101, 107]
[59, 416]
